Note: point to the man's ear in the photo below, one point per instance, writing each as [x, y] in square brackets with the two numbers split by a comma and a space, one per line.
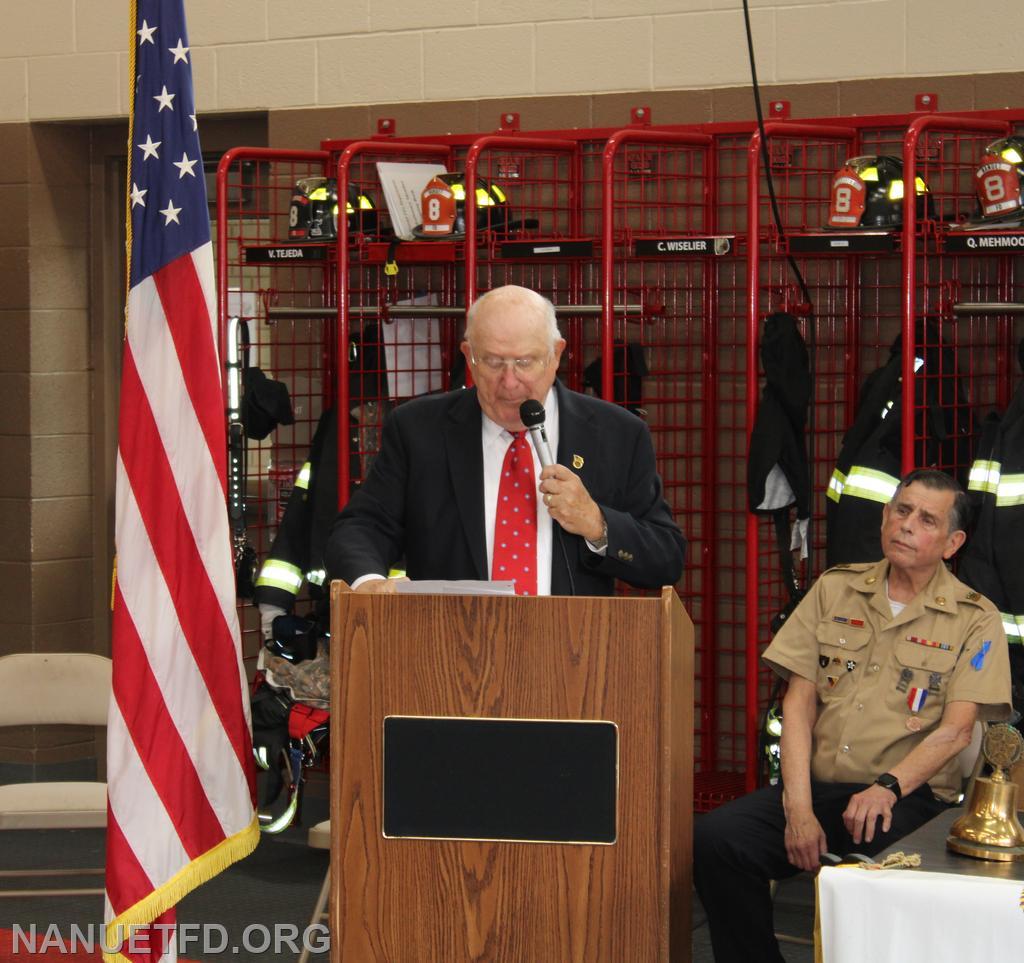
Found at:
[558, 349]
[956, 539]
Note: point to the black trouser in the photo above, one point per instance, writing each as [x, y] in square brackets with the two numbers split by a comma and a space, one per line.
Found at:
[739, 847]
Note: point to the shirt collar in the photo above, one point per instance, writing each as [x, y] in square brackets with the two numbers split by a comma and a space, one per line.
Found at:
[939, 593]
[493, 433]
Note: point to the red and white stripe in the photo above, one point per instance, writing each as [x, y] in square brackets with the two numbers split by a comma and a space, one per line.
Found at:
[180, 778]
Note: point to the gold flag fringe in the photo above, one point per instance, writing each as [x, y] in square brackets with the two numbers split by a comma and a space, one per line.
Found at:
[202, 869]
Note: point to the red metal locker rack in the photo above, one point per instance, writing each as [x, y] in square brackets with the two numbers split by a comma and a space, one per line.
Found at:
[722, 681]
[537, 178]
[696, 320]
[862, 301]
[659, 250]
[945, 152]
[803, 158]
[375, 281]
[543, 249]
[254, 189]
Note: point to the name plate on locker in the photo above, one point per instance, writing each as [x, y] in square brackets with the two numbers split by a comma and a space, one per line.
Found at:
[712, 246]
[860, 242]
[555, 249]
[285, 254]
[966, 242]
[529, 780]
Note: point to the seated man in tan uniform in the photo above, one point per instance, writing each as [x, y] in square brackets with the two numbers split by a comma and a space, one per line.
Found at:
[888, 666]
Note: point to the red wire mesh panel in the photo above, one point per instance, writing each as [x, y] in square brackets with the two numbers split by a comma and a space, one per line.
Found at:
[658, 246]
[968, 350]
[853, 299]
[538, 243]
[398, 305]
[661, 254]
[921, 282]
[260, 267]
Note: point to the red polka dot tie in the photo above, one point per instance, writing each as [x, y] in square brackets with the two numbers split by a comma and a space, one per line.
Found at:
[515, 522]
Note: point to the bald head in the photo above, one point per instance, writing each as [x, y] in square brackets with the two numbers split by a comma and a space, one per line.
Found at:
[516, 306]
[513, 347]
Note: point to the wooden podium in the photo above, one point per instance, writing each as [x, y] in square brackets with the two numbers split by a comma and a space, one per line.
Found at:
[462, 659]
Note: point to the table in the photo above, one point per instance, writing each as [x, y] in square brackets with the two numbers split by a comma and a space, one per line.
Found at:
[953, 909]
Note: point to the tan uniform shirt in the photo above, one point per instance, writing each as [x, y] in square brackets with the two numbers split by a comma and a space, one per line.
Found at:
[883, 681]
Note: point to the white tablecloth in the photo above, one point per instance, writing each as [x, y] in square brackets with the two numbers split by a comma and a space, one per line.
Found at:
[910, 916]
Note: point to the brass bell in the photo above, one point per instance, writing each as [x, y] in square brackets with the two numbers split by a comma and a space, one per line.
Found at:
[989, 828]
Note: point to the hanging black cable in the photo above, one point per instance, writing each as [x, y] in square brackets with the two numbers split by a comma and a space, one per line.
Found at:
[811, 337]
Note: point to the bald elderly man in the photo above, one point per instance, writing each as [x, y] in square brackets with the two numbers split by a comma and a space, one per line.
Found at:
[436, 500]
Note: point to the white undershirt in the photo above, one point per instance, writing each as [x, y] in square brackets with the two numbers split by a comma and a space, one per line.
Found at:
[896, 607]
[495, 441]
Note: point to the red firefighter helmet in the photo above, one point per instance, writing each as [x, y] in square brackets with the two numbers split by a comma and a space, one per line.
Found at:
[444, 208]
[867, 192]
[997, 182]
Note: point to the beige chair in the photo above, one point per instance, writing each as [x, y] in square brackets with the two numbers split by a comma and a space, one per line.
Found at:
[64, 688]
[319, 838]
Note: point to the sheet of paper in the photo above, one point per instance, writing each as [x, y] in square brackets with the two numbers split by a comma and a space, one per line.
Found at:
[243, 303]
[450, 587]
[402, 185]
[412, 352]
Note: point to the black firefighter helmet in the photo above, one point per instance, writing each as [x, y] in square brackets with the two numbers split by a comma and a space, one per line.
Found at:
[867, 192]
[313, 215]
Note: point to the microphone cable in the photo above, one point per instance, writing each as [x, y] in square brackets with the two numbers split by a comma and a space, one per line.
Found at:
[565, 555]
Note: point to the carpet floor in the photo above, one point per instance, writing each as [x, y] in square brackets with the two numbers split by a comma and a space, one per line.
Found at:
[256, 910]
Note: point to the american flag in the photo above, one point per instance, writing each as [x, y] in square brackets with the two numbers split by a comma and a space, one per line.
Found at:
[179, 768]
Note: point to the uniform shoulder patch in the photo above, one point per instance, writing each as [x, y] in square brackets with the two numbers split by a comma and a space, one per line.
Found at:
[850, 567]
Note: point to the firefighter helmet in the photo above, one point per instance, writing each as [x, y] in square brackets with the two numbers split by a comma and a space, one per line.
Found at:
[867, 192]
[998, 183]
[444, 208]
[313, 215]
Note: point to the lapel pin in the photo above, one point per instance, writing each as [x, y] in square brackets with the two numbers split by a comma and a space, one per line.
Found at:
[577, 462]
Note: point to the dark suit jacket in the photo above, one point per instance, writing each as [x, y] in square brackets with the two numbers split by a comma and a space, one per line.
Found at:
[423, 498]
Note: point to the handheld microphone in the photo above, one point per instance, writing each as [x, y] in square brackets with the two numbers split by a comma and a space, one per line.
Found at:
[531, 414]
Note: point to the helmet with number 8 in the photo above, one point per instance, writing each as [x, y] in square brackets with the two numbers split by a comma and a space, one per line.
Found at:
[448, 191]
[313, 214]
[867, 192]
[998, 184]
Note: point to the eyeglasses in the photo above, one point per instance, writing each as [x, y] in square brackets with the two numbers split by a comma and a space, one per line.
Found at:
[520, 366]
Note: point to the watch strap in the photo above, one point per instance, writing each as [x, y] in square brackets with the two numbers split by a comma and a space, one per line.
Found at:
[888, 781]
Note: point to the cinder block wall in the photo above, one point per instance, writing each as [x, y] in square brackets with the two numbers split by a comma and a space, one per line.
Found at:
[63, 59]
[46, 491]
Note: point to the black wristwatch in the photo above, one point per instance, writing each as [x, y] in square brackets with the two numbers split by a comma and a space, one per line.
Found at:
[888, 781]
